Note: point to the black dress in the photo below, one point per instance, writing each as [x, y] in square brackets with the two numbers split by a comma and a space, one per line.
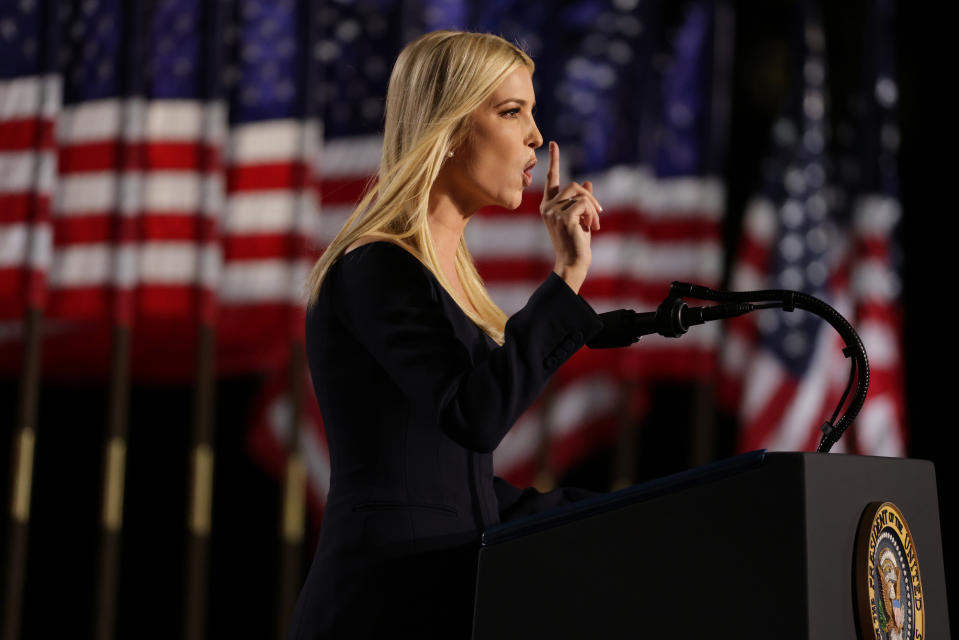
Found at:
[414, 398]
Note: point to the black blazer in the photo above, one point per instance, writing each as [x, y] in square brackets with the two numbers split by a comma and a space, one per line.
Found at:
[414, 398]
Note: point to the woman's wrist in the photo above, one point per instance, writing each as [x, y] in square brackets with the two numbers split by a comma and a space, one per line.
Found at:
[572, 276]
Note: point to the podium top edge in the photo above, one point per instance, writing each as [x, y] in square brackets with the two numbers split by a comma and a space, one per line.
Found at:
[617, 499]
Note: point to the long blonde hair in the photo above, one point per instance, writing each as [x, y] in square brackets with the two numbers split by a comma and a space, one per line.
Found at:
[438, 80]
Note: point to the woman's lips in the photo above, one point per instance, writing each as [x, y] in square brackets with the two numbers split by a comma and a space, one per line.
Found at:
[527, 172]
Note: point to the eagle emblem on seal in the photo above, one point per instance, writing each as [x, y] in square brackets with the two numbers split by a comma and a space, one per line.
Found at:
[888, 582]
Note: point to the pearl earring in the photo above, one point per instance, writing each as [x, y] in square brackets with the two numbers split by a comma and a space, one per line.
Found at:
[449, 154]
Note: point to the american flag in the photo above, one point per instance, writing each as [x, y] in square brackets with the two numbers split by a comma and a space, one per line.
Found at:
[29, 99]
[156, 173]
[874, 214]
[784, 372]
[631, 106]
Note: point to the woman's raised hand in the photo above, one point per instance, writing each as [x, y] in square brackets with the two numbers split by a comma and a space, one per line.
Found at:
[570, 215]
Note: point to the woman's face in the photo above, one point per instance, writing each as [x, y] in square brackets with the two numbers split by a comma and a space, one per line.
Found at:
[491, 167]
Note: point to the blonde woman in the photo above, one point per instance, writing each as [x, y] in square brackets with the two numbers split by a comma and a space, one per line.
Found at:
[418, 373]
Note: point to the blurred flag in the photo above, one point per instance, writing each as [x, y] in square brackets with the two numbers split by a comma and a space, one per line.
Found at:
[783, 373]
[629, 95]
[184, 186]
[875, 213]
[30, 96]
[272, 210]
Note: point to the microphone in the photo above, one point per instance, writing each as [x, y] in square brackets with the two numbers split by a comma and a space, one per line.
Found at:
[671, 319]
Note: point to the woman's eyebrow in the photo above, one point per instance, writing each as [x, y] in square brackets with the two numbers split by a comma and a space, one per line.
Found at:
[519, 100]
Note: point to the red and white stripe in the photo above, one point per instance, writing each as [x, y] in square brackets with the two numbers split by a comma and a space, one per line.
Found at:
[159, 215]
[28, 166]
[876, 288]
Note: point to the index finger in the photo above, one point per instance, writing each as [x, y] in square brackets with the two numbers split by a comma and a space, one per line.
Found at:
[552, 173]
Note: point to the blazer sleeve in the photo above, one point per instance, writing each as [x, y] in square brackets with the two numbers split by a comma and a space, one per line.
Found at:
[516, 503]
[387, 299]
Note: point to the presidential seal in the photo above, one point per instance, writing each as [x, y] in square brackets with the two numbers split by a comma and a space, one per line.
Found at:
[888, 584]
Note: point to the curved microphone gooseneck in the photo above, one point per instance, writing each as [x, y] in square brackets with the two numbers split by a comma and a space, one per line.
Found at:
[854, 349]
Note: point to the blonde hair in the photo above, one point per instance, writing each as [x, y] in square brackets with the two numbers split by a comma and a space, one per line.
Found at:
[438, 80]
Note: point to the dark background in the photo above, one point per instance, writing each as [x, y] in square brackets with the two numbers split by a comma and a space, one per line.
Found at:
[243, 580]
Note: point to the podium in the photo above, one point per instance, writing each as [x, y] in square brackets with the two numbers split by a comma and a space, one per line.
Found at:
[763, 545]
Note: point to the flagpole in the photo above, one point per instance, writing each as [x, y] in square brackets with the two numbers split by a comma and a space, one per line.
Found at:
[545, 480]
[624, 463]
[703, 437]
[114, 471]
[200, 510]
[293, 516]
[21, 480]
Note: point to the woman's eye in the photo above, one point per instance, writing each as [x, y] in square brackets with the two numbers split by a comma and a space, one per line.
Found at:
[511, 113]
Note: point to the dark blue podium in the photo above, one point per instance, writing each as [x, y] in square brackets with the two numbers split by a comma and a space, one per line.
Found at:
[758, 546]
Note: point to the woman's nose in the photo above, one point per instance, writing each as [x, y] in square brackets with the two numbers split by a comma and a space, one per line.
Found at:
[534, 140]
